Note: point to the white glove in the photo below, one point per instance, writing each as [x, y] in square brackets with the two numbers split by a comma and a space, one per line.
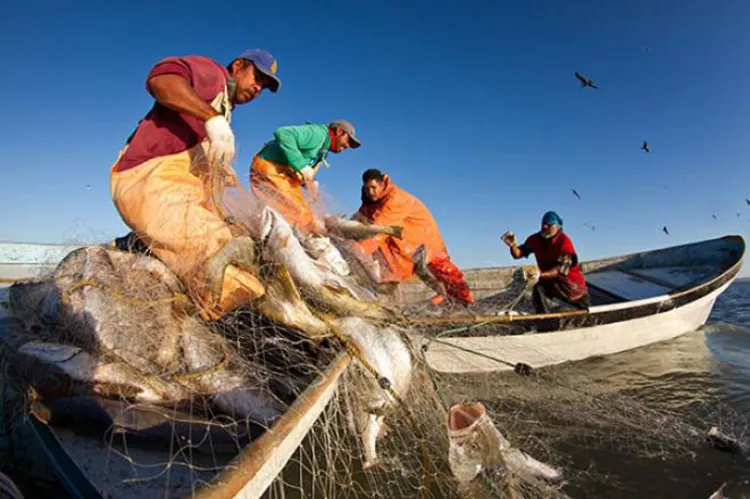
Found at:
[531, 273]
[509, 238]
[308, 174]
[221, 139]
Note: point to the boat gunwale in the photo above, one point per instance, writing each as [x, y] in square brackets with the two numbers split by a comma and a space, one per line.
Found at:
[249, 461]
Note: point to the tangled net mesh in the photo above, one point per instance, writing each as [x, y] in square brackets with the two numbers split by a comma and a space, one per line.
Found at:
[178, 447]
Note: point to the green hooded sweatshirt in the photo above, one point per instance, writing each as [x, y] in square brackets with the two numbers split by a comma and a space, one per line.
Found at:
[298, 146]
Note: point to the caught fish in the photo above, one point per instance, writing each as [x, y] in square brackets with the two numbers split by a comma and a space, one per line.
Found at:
[207, 433]
[212, 368]
[105, 306]
[83, 373]
[387, 352]
[423, 272]
[318, 284]
[91, 299]
[476, 445]
[322, 249]
[352, 229]
[725, 443]
[283, 304]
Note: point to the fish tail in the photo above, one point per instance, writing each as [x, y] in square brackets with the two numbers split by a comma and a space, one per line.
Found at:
[396, 231]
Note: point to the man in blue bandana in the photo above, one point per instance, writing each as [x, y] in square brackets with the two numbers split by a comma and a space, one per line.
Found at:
[559, 274]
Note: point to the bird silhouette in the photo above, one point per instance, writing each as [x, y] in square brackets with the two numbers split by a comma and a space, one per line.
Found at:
[747, 201]
[585, 82]
[738, 215]
[575, 193]
[592, 227]
[714, 217]
[647, 50]
[664, 229]
[88, 186]
[645, 147]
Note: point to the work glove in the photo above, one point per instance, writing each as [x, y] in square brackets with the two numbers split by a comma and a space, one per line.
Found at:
[531, 274]
[221, 141]
[308, 176]
[509, 238]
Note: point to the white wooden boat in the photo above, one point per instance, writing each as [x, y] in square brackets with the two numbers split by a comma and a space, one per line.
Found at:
[636, 299]
[87, 466]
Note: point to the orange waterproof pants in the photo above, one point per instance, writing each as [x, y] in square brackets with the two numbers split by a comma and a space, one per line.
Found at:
[277, 186]
[452, 278]
[166, 201]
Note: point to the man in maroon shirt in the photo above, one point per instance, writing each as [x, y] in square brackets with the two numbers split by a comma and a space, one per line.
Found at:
[161, 183]
[559, 275]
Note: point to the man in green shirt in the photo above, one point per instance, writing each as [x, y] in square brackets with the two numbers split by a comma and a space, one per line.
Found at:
[290, 161]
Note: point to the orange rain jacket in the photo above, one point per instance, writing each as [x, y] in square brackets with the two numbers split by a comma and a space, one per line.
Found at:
[398, 207]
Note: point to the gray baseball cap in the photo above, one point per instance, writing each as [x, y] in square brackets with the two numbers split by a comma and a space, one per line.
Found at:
[348, 128]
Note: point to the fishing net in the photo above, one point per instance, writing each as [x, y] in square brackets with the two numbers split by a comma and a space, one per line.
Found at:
[151, 424]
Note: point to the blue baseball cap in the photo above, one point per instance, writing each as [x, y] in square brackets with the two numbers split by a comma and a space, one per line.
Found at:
[266, 63]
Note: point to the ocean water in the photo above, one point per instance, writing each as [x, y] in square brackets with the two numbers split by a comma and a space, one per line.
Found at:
[701, 378]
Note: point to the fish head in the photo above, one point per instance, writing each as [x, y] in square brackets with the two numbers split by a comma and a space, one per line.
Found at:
[331, 223]
[468, 447]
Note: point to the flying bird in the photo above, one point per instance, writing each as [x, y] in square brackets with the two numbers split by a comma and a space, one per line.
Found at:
[589, 226]
[647, 49]
[747, 201]
[88, 186]
[585, 82]
[645, 147]
[738, 215]
[575, 193]
[664, 229]
[714, 217]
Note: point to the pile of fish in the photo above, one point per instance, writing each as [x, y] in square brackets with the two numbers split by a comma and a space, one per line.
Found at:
[116, 325]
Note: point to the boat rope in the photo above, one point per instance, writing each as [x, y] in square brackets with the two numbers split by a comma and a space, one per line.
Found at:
[383, 382]
[520, 367]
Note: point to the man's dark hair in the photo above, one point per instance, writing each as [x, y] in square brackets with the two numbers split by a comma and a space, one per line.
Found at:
[372, 174]
[245, 63]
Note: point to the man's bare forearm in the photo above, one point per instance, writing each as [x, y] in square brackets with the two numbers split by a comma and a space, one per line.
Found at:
[550, 274]
[175, 92]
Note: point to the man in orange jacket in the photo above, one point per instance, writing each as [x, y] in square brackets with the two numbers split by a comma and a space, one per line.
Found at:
[420, 250]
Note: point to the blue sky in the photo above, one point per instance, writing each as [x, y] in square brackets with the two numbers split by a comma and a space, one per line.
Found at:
[472, 106]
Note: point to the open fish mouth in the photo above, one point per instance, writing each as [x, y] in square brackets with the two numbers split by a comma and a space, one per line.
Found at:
[464, 417]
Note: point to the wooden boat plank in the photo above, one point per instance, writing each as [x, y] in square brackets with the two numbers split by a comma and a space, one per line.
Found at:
[627, 286]
[253, 471]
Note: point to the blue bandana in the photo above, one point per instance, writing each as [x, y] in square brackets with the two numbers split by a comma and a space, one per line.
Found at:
[552, 218]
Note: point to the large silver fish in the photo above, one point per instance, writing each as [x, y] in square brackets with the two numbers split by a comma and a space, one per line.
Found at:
[86, 374]
[384, 349]
[117, 309]
[283, 303]
[352, 229]
[318, 284]
[476, 444]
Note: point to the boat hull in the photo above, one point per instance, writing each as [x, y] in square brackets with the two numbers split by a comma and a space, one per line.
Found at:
[477, 354]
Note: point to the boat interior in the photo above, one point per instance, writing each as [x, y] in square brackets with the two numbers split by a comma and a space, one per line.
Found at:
[626, 278]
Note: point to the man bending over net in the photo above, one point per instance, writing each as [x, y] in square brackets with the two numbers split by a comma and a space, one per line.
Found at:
[290, 161]
[162, 182]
